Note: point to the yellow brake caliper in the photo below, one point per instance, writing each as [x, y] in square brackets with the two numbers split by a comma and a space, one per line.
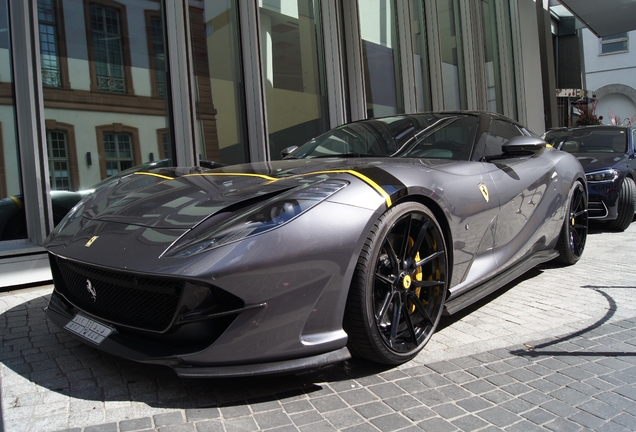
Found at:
[419, 274]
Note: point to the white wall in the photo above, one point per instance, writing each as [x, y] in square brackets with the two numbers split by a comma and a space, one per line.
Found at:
[615, 70]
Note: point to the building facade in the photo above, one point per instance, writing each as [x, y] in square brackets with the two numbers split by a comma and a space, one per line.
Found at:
[89, 88]
[610, 74]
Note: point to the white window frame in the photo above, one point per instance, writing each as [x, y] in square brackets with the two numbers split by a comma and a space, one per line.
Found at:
[614, 39]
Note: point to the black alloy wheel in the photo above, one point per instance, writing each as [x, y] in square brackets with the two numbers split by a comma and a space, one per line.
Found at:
[398, 291]
[574, 232]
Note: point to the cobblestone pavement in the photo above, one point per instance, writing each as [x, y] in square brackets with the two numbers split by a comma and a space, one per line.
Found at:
[554, 350]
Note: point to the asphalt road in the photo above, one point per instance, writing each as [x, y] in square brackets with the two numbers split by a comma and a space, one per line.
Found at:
[554, 350]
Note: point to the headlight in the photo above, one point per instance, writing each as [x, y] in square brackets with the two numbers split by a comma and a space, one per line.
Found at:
[261, 218]
[602, 176]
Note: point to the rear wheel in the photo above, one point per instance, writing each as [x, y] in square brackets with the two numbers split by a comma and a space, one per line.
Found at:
[574, 232]
[399, 286]
[626, 206]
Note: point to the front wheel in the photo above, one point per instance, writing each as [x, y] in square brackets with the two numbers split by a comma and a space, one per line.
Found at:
[574, 231]
[626, 206]
[399, 286]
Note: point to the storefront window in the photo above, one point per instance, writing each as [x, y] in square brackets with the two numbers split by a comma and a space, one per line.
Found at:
[104, 86]
[12, 216]
[291, 45]
[380, 57]
[453, 75]
[214, 30]
[420, 53]
[491, 60]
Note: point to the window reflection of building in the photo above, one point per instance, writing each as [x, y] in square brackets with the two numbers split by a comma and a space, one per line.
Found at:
[59, 166]
[51, 76]
[13, 220]
[205, 110]
[293, 65]
[119, 148]
[118, 153]
[453, 74]
[217, 49]
[62, 156]
[107, 49]
[492, 65]
[3, 173]
[156, 48]
[380, 57]
[83, 104]
[163, 143]
[420, 53]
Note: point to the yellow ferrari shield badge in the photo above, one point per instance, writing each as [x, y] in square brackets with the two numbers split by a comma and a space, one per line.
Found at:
[484, 191]
[90, 242]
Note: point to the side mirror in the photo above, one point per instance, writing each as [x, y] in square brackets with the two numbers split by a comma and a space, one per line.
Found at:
[287, 151]
[523, 146]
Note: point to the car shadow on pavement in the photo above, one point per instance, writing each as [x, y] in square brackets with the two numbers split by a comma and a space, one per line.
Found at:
[46, 357]
[559, 346]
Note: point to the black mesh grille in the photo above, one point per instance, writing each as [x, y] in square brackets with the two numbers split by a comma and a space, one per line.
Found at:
[141, 302]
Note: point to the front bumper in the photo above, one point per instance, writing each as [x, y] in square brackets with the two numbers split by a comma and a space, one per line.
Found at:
[145, 350]
[603, 200]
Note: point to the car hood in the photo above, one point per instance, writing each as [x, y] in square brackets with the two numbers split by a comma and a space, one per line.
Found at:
[598, 161]
[181, 198]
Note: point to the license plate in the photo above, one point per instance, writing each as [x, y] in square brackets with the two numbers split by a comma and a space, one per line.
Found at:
[89, 329]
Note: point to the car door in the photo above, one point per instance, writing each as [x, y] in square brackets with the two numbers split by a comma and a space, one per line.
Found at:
[521, 185]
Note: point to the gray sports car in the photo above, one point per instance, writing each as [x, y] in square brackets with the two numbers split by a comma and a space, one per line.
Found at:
[355, 244]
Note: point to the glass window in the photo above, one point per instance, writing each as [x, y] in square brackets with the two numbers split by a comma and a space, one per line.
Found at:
[293, 64]
[94, 128]
[107, 49]
[157, 56]
[48, 44]
[12, 216]
[118, 152]
[380, 57]
[617, 43]
[59, 164]
[491, 61]
[453, 75]
[215, 38]
[420, 52]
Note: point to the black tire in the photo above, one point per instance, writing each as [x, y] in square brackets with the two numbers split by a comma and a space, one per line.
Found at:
[574, 231]
[394, 305]
[626, 206]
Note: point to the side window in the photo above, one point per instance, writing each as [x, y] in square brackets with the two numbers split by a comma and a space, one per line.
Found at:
[499, 133]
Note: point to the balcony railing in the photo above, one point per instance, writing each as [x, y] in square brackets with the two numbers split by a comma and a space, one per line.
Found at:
[111, 84]
[51, 78]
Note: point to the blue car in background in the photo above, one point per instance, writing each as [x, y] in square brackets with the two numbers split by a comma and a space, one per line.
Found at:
[607, 156]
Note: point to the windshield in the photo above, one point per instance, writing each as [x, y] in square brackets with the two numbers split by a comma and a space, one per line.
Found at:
[592, 140]
[446, 136]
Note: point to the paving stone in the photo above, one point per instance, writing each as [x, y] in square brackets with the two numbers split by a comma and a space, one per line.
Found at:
[391, 422]
[271, 419]
[328, 403]
[469, 423]
[135, 425]
[498, 416]
[305, 418]
[437, 424]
